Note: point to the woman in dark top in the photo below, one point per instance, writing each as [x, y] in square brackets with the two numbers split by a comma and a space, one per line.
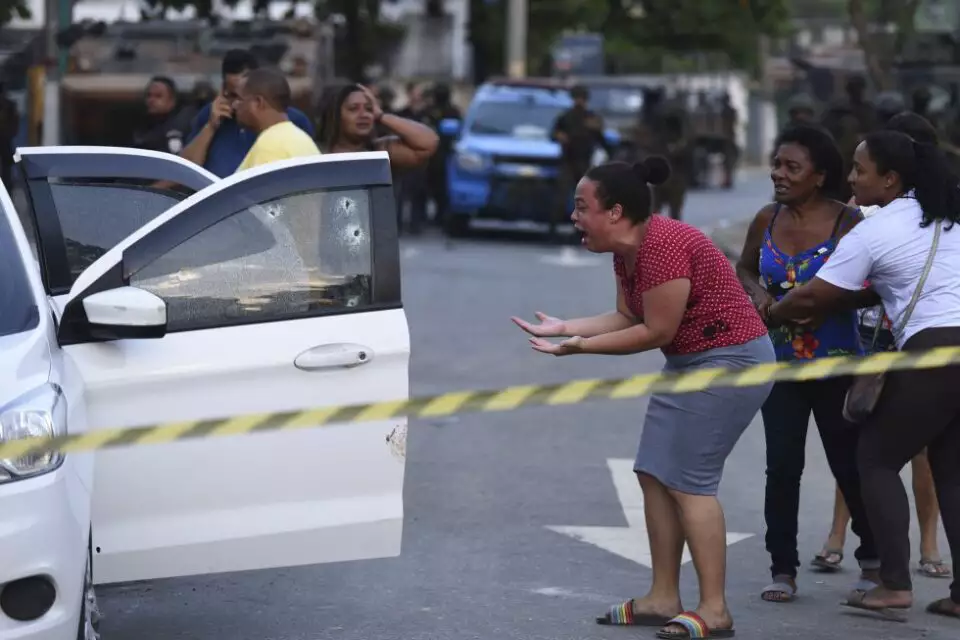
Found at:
[349, 121]
[788, 242]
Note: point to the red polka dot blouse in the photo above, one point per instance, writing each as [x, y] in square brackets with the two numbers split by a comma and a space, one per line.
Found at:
[719, 312]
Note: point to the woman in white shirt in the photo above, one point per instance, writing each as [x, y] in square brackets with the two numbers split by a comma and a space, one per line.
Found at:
[920, 203]
[924, 495]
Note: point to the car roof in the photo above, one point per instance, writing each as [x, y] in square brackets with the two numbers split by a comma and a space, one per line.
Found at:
[544, 91]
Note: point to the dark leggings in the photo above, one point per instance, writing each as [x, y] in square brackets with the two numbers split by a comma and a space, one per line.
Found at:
[786, 415]
[917, 409]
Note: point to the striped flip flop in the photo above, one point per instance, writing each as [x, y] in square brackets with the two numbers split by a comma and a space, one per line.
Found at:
[693, 627]
[623, 615]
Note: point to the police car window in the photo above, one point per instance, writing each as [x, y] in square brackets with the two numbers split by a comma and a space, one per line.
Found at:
[616, 99]
[96, 214]
[19, 307]
[301, 255]
[516, 118]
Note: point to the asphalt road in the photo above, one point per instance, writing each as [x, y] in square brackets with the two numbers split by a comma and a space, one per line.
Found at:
[479, 559]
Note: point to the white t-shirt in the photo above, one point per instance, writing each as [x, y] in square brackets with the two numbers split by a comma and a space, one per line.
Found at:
[870, 316]
[890, 250]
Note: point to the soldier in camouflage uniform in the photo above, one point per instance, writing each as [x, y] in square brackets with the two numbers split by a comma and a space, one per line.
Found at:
[850, 120]
[801, 109]
[728, 122]
[664, 130]
[889, 104]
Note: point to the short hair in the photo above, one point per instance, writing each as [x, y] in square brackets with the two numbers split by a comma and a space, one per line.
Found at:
[580, 91]
[237, 61]
[824, 155]
[271, 85]
[167, 81]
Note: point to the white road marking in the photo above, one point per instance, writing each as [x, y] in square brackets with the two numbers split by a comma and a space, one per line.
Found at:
[630, 542]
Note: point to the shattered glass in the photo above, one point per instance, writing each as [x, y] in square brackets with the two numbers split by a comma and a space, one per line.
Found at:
[298, 255]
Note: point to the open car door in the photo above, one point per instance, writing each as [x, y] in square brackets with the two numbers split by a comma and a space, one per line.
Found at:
[82, 201]
[274, 290]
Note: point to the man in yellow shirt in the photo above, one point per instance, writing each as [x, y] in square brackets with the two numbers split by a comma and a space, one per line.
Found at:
[261, 106]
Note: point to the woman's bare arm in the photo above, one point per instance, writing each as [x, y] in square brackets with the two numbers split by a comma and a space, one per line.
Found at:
[604, 323]
[412, 146]
[748, 265]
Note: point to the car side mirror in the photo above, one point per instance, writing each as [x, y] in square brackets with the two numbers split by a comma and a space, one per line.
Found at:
[450, 127]
[125, 312]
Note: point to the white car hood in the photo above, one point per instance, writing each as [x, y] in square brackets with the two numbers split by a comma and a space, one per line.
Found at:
[24, 363]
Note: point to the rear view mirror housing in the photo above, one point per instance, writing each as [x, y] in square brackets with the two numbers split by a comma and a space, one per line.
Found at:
[125, 313]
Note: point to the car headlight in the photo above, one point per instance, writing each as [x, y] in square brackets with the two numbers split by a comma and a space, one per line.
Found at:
[41, 413]
[470, 161]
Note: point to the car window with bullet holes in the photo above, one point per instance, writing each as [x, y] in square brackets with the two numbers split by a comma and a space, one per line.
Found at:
[301, 255]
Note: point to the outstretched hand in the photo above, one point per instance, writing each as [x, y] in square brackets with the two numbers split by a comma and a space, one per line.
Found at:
[549, 326]
[565, 348]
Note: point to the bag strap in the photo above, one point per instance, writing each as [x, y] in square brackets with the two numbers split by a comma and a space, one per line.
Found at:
[923, 279]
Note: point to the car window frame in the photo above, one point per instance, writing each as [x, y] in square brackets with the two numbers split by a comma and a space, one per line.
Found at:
[369, 171]
[39, 166]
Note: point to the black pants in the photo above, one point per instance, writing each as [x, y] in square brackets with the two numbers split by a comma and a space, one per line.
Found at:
[786, 415]
[917, 409]
[413, 192]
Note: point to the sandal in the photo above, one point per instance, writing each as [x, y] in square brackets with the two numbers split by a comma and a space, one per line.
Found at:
[857, 600]
[828, 560]
[623, 615]
[934, 568]
[693, 627]
[944, 607]
[864, 584]
[783, 589]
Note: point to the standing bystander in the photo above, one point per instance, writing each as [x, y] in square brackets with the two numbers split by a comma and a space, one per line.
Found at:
[217, 141]
[261, 106]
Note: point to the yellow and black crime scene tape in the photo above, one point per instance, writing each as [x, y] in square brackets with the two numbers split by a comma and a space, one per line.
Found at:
[508, 399]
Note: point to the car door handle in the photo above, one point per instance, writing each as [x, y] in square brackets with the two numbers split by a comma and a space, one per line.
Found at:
[333, 356]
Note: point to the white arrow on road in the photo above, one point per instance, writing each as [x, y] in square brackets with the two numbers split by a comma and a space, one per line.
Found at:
[631, 541]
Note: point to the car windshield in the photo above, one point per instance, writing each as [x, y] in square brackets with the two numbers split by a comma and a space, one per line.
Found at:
[616, 100]
[19, 308]
[517, 119]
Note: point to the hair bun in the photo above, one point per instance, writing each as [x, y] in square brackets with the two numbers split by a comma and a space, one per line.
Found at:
[654, 169]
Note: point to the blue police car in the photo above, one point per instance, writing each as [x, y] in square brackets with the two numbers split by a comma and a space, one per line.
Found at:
[504, 166]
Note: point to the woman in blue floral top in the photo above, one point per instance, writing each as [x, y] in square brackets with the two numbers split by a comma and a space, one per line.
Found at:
[787, 243]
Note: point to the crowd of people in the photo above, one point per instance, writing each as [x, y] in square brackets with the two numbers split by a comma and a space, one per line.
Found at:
[857, 253]
[847, 241]
[252, 121]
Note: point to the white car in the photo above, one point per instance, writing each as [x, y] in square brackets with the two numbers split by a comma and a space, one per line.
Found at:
[144, 290]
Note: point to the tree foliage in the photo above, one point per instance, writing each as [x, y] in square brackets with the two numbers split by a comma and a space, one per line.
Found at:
[10, 9]
[881, 52]
[640, 35]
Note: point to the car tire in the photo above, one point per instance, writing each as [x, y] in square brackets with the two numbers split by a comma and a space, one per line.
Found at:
[89, 626]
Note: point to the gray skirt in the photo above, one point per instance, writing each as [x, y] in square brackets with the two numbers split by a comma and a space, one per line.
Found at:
[687, 437]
